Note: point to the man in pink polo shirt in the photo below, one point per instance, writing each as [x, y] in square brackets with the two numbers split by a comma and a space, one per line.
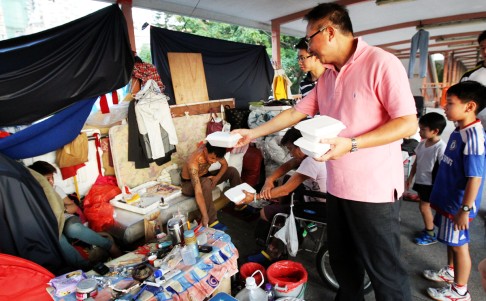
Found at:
[367, 89]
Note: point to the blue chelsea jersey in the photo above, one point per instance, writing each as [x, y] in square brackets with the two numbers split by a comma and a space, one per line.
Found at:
[463, 158]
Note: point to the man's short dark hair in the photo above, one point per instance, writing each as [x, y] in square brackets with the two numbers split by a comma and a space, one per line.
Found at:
[469, 91]
[290, 136]
[434, 121]
[218, 151]
[43, 167]
[482, 37]
[301, 44]
[337, 14]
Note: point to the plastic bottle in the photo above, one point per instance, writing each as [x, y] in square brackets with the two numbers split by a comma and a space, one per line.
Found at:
[191, 242]
[252, 291]
[270, 292]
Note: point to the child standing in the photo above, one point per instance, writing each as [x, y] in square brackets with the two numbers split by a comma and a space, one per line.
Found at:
[457, 190]
[428, 155]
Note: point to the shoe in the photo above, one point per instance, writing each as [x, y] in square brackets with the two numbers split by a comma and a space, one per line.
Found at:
[448, 293]
[442, 275]
[311, 227]
[218, 226]
[425, 239]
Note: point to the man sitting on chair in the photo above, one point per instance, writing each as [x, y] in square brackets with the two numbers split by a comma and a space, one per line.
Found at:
[198, 181]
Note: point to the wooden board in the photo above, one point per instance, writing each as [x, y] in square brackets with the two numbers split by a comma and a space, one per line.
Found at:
[188, 78]
[201, 107]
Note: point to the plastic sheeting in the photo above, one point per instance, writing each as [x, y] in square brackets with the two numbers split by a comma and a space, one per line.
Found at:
[45, 72]
[233, 70]
[28, 227]
[49, 134]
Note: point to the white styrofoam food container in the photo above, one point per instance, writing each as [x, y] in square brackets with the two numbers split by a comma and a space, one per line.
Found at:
[236, 193]
[223, 139]
[319, 127]
[312, 149]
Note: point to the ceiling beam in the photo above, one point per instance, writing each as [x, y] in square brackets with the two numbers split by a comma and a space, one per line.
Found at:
[455, 35]
[470, 16]
[300, 14]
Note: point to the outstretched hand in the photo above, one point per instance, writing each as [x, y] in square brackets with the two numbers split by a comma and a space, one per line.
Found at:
[246, 136]
[340, 146]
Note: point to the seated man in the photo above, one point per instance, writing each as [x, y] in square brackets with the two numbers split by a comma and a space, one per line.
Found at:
[309, 175]
[73, 228]
[196, 180]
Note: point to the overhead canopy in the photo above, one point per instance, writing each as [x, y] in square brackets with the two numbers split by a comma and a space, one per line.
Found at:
[232, 69]
[389, 25]
[45, 72]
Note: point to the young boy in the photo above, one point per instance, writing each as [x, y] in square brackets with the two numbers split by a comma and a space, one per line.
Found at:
[458, 187]
[428, 155]
[198, 181]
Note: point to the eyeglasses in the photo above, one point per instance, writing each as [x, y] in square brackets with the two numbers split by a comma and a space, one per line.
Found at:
[303, 58]
[308, 40]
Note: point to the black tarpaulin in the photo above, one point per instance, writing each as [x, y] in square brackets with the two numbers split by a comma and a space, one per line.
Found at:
[28, 227]
[233, 70]
[44, 72]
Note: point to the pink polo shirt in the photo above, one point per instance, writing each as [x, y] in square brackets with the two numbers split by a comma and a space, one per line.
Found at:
[370, 89]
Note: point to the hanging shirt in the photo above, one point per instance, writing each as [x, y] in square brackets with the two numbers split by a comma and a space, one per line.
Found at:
[154, 119]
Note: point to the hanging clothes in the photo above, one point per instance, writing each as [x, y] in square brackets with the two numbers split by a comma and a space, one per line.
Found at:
[154, 118]
[281, 85]
[420, 41]
[145, 72]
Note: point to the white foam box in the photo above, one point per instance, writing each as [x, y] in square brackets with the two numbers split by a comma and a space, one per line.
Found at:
[236, 193]
[223, 139]
[319, 127]
[312, 149]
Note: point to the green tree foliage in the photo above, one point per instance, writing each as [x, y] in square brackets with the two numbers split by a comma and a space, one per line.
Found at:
[239, 34]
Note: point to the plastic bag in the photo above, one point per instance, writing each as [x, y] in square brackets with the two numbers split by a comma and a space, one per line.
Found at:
[288, 233]
[287, 273]
[97, 207]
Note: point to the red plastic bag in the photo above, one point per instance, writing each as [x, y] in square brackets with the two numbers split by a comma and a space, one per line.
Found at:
[287, 273]
[97, 207]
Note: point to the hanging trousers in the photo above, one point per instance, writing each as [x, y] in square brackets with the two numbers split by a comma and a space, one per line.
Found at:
[420, 41]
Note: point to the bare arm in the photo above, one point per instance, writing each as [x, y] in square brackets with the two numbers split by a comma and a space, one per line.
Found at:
[222, 170]
[461, 220]
[393, 130]
[411, 175]
[198, 193]
[295, 180]
[283, 120]
[280, 171]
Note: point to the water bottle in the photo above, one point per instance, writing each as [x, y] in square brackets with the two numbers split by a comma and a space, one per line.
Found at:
[269, 291]
[252, 291]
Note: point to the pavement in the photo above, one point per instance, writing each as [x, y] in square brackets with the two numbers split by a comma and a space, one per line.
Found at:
[415, 258]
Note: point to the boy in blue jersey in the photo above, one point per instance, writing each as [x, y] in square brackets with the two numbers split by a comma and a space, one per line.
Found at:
[457, 190]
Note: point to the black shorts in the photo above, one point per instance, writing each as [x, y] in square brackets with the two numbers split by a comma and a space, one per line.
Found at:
[423, 191]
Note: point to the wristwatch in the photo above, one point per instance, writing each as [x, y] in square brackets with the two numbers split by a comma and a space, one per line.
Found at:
[465, 208]
[354, 145]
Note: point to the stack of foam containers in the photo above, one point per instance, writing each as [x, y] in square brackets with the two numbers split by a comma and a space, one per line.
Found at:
[315, 129]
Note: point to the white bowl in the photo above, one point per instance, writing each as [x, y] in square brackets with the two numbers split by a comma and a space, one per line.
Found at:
[312, 149]
[223, 139]
[319, 127]
[236, 193]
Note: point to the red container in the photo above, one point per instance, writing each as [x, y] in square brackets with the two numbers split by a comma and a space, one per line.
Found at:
[247, 269]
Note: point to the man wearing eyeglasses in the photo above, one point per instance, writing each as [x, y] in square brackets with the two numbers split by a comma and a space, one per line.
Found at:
[310, 64]
[367, 89]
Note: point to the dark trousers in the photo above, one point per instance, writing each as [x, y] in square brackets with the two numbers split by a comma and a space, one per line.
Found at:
[366, 236]
[231, 174]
